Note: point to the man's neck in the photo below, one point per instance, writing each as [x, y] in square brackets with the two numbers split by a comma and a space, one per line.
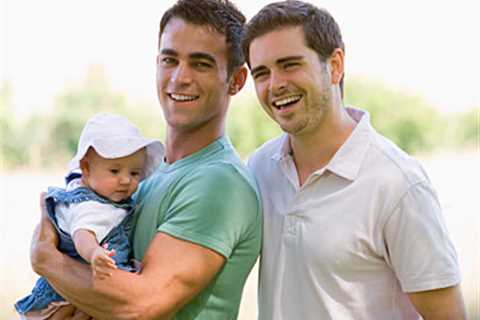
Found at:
[182, 143]
[314, 150]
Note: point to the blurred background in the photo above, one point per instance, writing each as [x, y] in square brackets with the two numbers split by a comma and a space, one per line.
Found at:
[413, 65]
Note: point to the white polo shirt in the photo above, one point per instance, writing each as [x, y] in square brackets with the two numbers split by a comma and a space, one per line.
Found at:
[354, 238]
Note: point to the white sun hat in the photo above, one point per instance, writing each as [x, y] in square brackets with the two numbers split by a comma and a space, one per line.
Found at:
[113, 136]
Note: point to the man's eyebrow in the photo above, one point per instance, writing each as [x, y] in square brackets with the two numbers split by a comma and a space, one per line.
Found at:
[169, 52]
[257, 69]
[279, 61]
[202, 56]
[288, 59]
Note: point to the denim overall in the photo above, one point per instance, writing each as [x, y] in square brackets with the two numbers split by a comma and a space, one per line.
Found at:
[118, 238]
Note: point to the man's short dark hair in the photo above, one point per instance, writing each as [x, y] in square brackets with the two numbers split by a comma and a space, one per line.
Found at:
[220, 15]
[322, 33]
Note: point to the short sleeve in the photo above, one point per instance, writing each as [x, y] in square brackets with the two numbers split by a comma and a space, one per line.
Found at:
[418, 245]
[214, 207]
[94, 216]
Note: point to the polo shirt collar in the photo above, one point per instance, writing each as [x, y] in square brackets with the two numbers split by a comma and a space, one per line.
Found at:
[348, 159]
[284, 150]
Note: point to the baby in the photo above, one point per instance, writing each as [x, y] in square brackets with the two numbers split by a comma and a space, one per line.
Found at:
[93, 215]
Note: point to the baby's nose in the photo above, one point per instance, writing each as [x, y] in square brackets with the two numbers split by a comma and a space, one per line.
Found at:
[125, 180]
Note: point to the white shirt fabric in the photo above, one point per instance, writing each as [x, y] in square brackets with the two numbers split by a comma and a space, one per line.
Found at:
[354, 238]
[100, 218]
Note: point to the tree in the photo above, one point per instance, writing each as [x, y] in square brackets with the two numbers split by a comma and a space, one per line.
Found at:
[248, 126]
[11, 139]
[404, 118]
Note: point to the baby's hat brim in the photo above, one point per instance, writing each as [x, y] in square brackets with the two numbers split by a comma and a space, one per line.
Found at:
[113, 136]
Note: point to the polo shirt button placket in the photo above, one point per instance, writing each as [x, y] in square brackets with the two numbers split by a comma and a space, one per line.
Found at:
[291, 225]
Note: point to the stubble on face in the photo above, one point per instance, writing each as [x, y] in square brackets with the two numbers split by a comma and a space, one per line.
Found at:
[315, 109]
[291, 71]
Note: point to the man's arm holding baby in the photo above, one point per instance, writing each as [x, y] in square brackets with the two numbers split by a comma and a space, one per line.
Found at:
[173, 272]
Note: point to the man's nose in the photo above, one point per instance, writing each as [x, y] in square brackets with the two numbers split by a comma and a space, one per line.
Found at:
[278, 83]
[182, 74]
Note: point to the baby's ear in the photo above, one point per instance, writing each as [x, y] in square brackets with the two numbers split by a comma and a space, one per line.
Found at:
[84, 167]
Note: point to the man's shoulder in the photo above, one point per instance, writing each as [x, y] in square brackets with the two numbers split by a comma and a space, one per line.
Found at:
[223, 174]
[266, 152]
[223, 165]
[390, 160]
[225, 162]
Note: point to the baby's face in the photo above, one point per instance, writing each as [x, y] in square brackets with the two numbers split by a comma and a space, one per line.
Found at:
[115, 179]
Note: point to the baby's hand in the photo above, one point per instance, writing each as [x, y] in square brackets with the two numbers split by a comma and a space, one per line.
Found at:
[101, 262]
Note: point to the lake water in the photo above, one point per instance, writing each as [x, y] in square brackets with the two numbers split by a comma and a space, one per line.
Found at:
[455, 176]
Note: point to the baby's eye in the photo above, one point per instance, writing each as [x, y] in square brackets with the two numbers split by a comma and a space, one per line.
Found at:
[135, 173]
[114, 171]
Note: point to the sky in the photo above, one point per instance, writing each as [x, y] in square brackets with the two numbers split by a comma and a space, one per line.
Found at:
[427, 48]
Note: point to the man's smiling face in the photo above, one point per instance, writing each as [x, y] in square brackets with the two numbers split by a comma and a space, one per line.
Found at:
[292, 83]
[192, 82]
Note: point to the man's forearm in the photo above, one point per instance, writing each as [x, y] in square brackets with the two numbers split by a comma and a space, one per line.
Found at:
[165, 284]
[440, 304]
[73, 280]
[123, 295]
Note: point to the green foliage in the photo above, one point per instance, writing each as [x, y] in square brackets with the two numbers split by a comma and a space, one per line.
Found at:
[50, 140]
[11, 137]
[248, 126]
[405, 119]
[72, 109]
[467, 126]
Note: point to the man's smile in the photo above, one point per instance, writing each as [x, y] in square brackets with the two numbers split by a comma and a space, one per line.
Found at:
[286, 102]
[182, 97]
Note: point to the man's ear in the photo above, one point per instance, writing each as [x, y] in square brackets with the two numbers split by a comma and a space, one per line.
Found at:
[337, 66]
[237, 80]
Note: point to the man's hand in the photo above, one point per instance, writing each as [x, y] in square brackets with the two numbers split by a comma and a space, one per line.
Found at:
[174, 271]
[44, 238]
[102, 263]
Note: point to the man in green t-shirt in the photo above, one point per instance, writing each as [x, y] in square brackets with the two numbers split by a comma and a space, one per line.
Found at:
[198, 229]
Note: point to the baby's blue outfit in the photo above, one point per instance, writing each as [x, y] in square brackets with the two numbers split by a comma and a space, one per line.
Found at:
[119, 238]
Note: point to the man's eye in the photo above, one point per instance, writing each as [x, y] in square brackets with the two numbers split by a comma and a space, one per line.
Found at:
[200, 64]
[291, 65]
[168, 61]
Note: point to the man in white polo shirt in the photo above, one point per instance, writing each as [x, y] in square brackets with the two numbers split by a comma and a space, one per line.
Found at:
[353, 228]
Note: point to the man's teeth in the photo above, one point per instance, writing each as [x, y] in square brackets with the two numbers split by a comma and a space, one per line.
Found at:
[283, 102]
[182, 97]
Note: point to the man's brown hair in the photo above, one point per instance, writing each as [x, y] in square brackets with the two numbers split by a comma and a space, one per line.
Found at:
[220, 15]
[322, 33]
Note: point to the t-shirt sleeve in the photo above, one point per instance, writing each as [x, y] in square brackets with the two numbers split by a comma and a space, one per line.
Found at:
[419, 248]
[214, 207]
[97, 217]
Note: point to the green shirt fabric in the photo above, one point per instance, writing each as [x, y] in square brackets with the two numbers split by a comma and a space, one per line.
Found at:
[208, 198]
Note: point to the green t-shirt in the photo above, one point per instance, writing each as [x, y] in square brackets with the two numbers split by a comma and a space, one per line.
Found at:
[208, 198]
